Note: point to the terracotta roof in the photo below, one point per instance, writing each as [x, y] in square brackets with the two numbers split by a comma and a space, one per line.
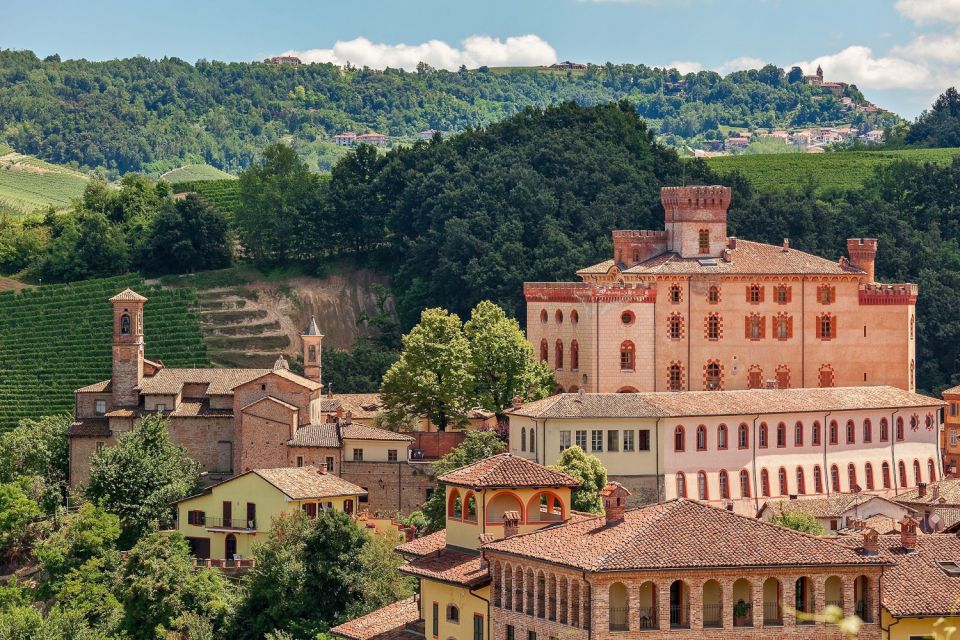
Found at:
[388, 623]
[422, 546]
[916, 585]
[948, 493]
[356, 431]
[883, 525]
[687, 534]
[507, 470]
[221, 381]
[316, 435]
[952, 391]
[286, 374]
[199, 409]
[301, 483]
[90, 427]
[676, 404]
[128, 295]
[832, 506]
[285, 405]
[104, 386]
[448, 565]
[360, 405]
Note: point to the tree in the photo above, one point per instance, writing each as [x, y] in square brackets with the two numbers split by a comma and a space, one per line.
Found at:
[189, 235]
[36, 447]
[591, 474]
[356, 199]
[940, 125]
[798, 520]
[88, 535]
[141, 476]
[795, 75]
[18, 510]
[502, 360]
[432, 376]
[380, 581]
[476, 446]
[158, 587]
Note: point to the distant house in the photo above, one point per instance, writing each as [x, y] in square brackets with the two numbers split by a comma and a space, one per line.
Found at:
[427, 134]
[736, 143]
[346, 139]
[376, 139]
[290, 60]
[839, 510]
[567, 65]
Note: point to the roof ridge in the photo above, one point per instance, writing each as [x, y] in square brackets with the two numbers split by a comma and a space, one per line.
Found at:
[662, 508]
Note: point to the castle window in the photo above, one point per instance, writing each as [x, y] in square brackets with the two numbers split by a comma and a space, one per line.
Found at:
[558, 354]
[299, 461]
[826, 294]
[627, 355]
[125, 325]
[702, 486]
[817, 480]
[523, 438]
[851, 432]
[801, 484]
[867, 431]
[559, 316]
[543, 316]
[701, 438]
[722, 436]
[783, 377]
[782, 478]
[884, 430]
[627, 317]
[453, 614]
[743, 437]
[754, 377]
[755, 327]
[798, 434]
[852, 478]
[681, 485]
[916, 472]
[762, 436]
[713, 294]
[574, 317]
[675, 295]
[713, 379]
[868, 476]
[100, 407]
[713, 327]
[744, 483]
[676, 377]
[544, 350]
[815, 434]
[899, 429]
[754, 294]
[724, 485]
[574, 356]
[783, 326]
[675, 326]
[834, 435]
[885, 475]
[679, 438]
[826, 376]
[826, 327]
[903, 473]
[835, 478]
[782, 294]
[781, 435]
[932, 470]
[764, 483]
[704, 240]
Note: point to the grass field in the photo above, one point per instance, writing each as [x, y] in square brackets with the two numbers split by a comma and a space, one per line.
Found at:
[56, 338]
[828, 170]
[28, 184]
[194, 173]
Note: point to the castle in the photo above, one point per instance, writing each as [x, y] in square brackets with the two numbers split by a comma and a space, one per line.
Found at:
[690, 308]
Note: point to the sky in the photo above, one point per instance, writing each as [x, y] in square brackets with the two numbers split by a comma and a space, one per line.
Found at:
[900, 53]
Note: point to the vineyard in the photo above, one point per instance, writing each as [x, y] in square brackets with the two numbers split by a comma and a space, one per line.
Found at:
[848, 169]
[195, 172]
[223, 194]
[28, 184]
[57, 338]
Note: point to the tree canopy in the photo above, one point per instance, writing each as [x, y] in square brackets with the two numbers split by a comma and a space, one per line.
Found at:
[799, 520]
[592, 476]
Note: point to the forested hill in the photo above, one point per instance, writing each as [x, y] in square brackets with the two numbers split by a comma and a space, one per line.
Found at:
[136, 114]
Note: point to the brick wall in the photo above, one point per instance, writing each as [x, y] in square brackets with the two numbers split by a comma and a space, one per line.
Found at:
[436, 444]
[265, 429]
[209, 441]
[643, 488]
[314, 457]
[392, 486]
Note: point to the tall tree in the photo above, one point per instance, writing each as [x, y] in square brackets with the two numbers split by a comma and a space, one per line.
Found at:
[189, 235]
[432, 377]
[939, 126]
[591, 474]
[89, 534]
[36, 447]
[356, 200]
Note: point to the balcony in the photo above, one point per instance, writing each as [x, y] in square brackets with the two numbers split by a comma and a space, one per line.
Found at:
[772, 614]
[618, 619]
[233, 524]
[863, 610]
[712, 616]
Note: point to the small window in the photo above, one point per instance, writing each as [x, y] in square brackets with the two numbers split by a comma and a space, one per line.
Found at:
[435, 627]
[613, 440]
[627, 355]
[643, 443]
[826, 327]
[675, 326]
[477, 626]
[582, 439]
[782, 294]
[754, 294]
[558, 316]
[743, 437]
[681, 485]
[722, 436]
[596, 440]
[704, 240]
[161, 407]
[815, 434]
[675, 294]
[100, 407]
[950, 568]
[851, 432]
[453, 614]
[628, 440]
[679, 439]
[834, 435]
[543, 316]
[762, 436]
[713, 378]
[564, 440]
[574, 317]
[724, 485]
[744, 483]
[676, 377]
[511, 632]
[701, 438]
[358, 455]
[391, 455]
[574, 356]
[713, 327]
[330, 468]
[299, 461]
[713, 294]
[627, 317]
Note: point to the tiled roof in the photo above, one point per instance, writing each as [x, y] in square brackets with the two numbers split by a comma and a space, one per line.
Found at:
[221, 381]
[952, 391]
[286, 374]
[748, 258]
[666, 404]
[916, 585]
[832, 506]
[199, 409]
[676, 534]
[316, 435]
[301, 483]
[451, 566]
[360, 405]
[506, 470]
[90, 427]
[388, 623]
[271, 399]
[104, 386]
[356, 431]
[883, 525]
[128, 295]
[947, 490]
[422, 546]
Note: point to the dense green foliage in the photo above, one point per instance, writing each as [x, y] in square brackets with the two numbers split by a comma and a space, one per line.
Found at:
[140, 477]
[57, 338]
[37, 448]
[188, 236]
[80, 538]
[799, 520]
[145, 112]
[222, 194]
[938, 126]
[591, 474]
[475, 447]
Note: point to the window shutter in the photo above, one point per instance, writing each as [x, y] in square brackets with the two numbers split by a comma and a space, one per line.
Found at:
[833, 326]
[819, 327]
[762, 288]
[789, 321]
[746, 327]
[748, 293]
[763, 327]
[789, 294]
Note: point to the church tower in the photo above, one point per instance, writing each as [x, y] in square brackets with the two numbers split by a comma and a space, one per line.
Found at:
[312, 357]
[127, 347]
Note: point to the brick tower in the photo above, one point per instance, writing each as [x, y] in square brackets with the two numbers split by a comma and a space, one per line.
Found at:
[127, 347]
[696, 220]
[312, 356]
[863, 255]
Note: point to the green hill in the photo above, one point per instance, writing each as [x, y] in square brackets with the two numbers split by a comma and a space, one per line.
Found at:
[28, 184]
[55, 339]
[195, 173]
[223, 194]
[846, 169]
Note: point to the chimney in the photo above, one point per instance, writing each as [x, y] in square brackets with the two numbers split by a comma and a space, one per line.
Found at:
[732, 243]
[786, 245]
[581, 394]
[921, 490]
[870, 546]
[908, 533]
[322, 468]
[517, 403]
[863, 255]
[729, 506]
[511, 524]
[614, 502]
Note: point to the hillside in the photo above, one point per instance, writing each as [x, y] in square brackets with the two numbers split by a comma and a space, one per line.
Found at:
[142, 111]
[28, 184]
[848, 169]
[54, 339]
[223, 194]
[194, 173]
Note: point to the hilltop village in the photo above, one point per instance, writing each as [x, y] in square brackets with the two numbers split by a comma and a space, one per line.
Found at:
[720, 382]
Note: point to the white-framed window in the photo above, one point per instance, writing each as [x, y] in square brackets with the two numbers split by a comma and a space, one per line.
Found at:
[358, 455]
[613, 440]
[100, 407]
[596, 440]
[391, 455]
[564, 440]
[582, 440]
[161, 407]
[628, 439]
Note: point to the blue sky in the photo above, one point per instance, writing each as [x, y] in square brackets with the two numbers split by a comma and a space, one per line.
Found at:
[901, 53]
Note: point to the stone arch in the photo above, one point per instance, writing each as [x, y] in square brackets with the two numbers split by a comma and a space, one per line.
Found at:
[618, 607]
[502, 502]
[545, 506]
[454, 505]
[712, 604]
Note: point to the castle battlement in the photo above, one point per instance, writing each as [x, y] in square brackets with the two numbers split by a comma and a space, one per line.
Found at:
[655, 236]
[699, 197]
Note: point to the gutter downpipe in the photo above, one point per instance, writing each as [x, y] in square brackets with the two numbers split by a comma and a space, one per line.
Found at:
[803, 332]
[827, 476]
[689, 328]
[596, 345]
[756, 478]
[656, 435]
[894, 469]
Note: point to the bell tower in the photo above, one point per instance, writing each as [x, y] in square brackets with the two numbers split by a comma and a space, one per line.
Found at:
[127, 347]
[312, 356]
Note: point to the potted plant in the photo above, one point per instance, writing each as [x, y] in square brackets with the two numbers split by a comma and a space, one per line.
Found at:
[740, 612]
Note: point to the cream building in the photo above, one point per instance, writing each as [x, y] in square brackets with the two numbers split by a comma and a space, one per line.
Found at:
[690, 308]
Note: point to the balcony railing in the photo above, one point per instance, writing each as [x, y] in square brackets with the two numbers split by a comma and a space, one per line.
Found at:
[743, 614]
[679, 617]
[648, 618]
[712, 616]
[863, 610]
[618, 619]
[772, 614]
[229, 523]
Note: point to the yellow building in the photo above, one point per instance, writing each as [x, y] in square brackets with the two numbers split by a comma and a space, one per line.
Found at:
[225, 520]
[496, 497]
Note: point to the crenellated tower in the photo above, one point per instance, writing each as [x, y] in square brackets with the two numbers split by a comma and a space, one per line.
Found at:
[696, 220]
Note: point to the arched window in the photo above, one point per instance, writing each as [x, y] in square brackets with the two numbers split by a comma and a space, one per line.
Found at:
[681, 485]
[852, 478]
[453, 614]
[679, 439]
[782, 478]
[932, 470]
[574, 317]
[798, 434]
[867, 430]
[724, 485]
[544, 351]
[712, 375]
[713, 294]
[755, 326]
[559, 316]
[817, 480]
[558, 354]
[834, 436]
[835, 478]
[722, 436]
[523, 438]
[781, 435]
[743, 436]
[574, 356]
[762, 436]
[815, 434]
[702, 492]
[917, 476]
[543, 315]
[627, 355]
[826, 294]
[533, 441]
[744, 483]
[826, 326]
[913, 321]
[675, 326]
[902, 468]
[885, 475]
[851, 432]
[801, 483]
[455, 505]
[713, 327]
[755, 294]
[125, 325]
[675, 295]
[676, 377]
[704, 240]
[764, 483]
[868, 476]
[899, 429]
[782, 294]
[701, 438]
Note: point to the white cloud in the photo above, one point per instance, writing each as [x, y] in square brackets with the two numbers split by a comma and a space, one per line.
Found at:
[685, 66]
[739, 64]
[940, 47]
[927, 11]
[858, 65]
[475, 51]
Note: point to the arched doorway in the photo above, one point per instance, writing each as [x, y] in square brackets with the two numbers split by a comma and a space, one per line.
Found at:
[230, 546]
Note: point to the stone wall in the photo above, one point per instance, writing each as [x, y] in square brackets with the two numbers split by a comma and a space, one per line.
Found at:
[643, 489]
[391, 486]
